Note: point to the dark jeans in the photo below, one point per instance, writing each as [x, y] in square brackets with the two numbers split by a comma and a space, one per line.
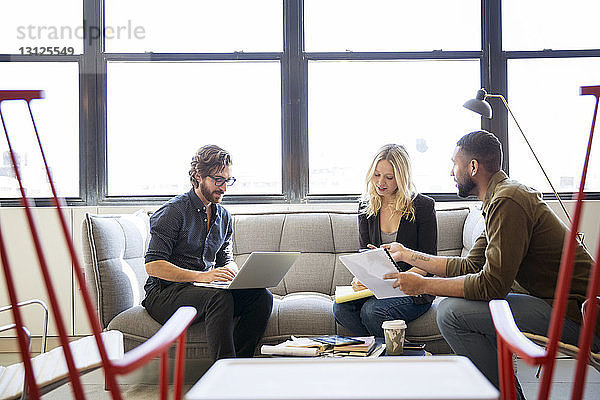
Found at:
[363, 317]
[218, 309]
[468, 328]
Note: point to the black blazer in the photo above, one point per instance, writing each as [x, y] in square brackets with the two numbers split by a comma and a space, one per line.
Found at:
[420, 234]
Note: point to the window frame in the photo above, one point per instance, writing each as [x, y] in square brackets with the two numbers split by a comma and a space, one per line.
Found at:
[294, 105]
[500, 62]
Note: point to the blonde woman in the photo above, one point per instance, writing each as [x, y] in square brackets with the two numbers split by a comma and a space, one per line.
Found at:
[391, 211]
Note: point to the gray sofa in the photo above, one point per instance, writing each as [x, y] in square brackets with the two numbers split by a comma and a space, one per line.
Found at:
[113, 253]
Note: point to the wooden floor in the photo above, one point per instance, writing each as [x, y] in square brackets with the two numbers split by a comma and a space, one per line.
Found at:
[142, 384]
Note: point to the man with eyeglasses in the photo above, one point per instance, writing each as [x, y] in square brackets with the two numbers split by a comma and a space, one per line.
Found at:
[191, 242]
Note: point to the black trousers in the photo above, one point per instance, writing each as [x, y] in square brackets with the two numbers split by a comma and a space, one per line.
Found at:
[218, 308]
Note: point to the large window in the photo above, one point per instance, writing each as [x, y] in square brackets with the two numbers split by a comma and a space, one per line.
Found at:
[544, 95]
[196, 73]
[392, 25]
[199, 26]
[57, 121]
[356, 107]
[154, 129]
[550, 25]
[301, 92]
[551, 51]
[387, 72]
[41, 27]
[40, 47]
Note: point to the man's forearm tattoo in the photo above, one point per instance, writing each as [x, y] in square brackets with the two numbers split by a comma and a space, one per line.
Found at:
[417, 256]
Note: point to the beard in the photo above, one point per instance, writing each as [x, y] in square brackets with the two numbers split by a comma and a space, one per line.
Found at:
[214, 197]
[465, 188]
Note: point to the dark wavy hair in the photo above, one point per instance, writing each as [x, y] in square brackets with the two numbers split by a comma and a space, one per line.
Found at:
[484, 147]
[208, 160]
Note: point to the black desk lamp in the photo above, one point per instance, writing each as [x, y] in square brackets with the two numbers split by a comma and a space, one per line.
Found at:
[482, 107]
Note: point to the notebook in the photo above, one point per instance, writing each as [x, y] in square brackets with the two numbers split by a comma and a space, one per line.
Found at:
[262, 269]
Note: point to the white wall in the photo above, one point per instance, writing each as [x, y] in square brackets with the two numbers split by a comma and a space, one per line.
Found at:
[590, 222]
[23, 262]
[29, 281]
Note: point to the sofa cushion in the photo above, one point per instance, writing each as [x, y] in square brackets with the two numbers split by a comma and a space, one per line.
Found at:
[113, 254]
[303, 313]
[137, 326]
[145, 326]
[450, 231]
[474, 226]
[257, 233]
[312, 272]
[345, 232]
[341, 275]
[307, 233]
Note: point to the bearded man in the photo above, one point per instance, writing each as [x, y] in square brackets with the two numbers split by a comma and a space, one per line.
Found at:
[522, 241]
[191, 242]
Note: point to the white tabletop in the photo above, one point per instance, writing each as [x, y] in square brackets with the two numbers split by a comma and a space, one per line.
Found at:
[432, 378]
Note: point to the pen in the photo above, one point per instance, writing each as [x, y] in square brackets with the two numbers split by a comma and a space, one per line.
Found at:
[400, 269]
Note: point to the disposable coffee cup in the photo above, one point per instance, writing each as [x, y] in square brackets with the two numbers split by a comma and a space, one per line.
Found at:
[394, 336]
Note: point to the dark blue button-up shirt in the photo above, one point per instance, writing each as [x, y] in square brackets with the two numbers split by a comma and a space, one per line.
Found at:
[180, 236]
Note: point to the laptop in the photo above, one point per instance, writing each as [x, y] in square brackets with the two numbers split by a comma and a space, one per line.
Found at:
[262, 269]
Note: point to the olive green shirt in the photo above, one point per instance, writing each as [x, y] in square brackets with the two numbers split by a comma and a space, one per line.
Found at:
[522, 241]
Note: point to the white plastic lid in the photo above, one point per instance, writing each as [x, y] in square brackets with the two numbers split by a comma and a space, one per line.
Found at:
[395, 324]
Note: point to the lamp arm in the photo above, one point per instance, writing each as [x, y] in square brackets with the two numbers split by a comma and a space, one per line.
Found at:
[534, 155]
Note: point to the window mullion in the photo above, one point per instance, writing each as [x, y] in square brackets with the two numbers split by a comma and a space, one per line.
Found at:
[494, 72]
[294, 83]
[90, 132]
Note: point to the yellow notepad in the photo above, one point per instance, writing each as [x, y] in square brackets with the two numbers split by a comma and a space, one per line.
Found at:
[346, 293]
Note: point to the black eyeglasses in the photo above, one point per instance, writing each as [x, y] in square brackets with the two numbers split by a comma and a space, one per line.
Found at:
[220, 181]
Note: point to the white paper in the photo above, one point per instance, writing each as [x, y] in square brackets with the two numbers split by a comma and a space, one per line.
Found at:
[283, 350]
[369, 267]
[303, 342]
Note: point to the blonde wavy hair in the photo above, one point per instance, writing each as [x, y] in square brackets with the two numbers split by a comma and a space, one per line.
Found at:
[404, 195]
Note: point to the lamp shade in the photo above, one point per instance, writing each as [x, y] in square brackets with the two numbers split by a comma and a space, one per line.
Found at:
[479, 105]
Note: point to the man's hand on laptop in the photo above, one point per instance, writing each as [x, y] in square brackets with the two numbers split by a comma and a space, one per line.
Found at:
[233, 267]
[221, 274]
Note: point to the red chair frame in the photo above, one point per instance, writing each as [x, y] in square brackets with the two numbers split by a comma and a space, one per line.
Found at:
[512, 341]
[173, 331]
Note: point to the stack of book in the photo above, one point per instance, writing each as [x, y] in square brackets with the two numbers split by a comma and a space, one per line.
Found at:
[326, 346]
[368, 348]
[296, 346]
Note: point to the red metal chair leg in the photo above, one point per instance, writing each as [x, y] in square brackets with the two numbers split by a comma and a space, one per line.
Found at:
[501, 374]
[589, 319]
[587, 331]
[506, 374]
[164, 375]
[179, 367]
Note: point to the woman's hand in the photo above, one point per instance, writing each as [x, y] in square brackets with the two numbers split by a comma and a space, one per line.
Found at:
[357, 285]
[221, 274]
